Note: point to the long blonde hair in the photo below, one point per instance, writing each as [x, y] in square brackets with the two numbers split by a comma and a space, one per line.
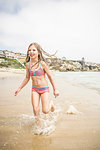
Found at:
[40, 50]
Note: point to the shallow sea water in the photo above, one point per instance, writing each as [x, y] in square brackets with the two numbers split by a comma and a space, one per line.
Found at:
[18, 126]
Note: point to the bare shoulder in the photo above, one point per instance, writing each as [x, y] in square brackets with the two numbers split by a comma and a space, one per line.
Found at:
[43, 63]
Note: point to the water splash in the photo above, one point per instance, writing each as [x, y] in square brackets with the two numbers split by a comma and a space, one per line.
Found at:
[45, 125]
[27, 124]
[73, 110]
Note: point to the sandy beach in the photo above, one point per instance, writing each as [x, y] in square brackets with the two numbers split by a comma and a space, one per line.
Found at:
[80, 131]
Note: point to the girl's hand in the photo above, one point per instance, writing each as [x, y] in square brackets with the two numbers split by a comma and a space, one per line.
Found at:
[16, 92]
[56, 93]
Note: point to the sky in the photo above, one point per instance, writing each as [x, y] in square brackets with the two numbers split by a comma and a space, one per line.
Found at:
[72, 27]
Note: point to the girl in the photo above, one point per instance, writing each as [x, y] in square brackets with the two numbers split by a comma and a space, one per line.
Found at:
[36, 69]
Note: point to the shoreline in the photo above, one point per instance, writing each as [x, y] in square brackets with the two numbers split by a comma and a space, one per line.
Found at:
[9, 72]
[13, 71]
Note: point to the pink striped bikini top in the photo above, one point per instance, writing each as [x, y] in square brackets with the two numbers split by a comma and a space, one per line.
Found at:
[38, 72]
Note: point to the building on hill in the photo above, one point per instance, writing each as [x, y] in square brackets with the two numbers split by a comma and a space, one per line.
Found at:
[2, 56]
[9, 54]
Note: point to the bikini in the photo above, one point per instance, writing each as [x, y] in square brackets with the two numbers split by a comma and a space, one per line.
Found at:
[38, 72]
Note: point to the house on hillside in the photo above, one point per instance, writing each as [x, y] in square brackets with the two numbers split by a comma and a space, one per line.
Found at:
[2, 56]
[9, 54]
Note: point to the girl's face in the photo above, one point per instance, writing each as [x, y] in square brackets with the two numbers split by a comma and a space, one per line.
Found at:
[33, 52]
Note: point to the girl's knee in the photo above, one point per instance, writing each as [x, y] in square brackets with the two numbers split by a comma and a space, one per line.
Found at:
[45, 111]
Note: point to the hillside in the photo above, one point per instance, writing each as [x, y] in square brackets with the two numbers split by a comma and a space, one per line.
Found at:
[55, 64]
[11, 63]
[71, 65]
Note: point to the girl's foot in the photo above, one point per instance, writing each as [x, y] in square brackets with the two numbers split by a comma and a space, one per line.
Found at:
[52, 106]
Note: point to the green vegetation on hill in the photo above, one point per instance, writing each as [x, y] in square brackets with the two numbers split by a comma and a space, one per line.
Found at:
[11, 63]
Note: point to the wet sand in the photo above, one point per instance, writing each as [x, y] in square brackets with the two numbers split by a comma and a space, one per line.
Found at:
[72, 132]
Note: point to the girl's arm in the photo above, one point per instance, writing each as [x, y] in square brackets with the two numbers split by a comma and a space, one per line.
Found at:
[25, 81]
[47, 70]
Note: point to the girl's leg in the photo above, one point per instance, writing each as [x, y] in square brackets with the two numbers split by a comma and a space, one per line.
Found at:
[35, 104]
[46, 106]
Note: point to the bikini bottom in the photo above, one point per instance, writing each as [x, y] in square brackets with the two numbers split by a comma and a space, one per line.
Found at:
[40, 90]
